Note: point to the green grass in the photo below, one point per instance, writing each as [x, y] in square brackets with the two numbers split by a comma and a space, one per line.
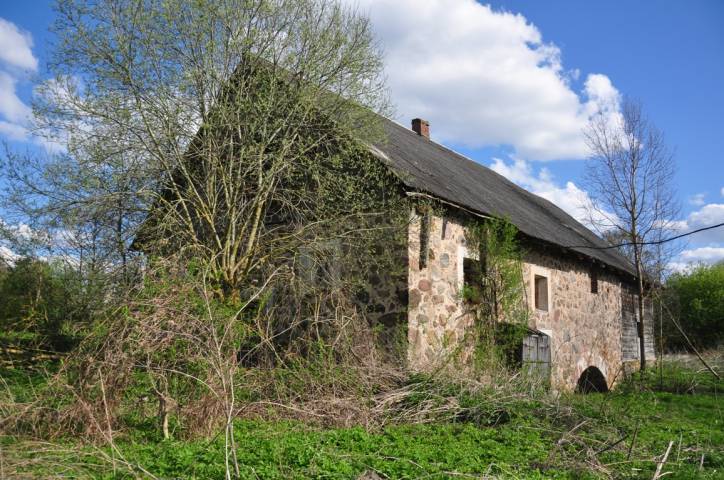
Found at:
[695, 423]
[533, 441]
[290, 450]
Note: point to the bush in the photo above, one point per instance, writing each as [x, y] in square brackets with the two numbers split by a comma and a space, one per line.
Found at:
[41, 304]
[698, 298]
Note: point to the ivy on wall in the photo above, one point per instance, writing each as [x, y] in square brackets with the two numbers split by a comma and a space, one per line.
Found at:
[494, 293]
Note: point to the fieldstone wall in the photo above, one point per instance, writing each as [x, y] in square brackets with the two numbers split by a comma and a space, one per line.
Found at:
[586, 329]
[436, 319]
[383, 295]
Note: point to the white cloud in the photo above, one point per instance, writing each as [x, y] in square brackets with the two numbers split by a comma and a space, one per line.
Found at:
[704, 254]
[13, 131]
[8, 255]
[675, 225]
[697, 199]
[570, 198]
[709, 245]
[17, 47]
[722, 191]
[11, 107]
[707, 215]
[484, 77]
[16, 58]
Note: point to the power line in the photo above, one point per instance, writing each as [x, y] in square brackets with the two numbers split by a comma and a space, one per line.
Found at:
[656, 242]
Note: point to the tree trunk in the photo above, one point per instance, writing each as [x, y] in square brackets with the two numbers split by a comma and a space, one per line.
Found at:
[640, 285]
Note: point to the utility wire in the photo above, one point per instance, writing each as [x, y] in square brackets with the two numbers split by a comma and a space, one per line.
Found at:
[656, 242]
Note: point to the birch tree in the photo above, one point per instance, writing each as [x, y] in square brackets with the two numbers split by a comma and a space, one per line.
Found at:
[216, 118]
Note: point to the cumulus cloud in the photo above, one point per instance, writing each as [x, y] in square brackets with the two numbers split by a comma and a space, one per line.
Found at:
[13, 131]
[710, 214]
[11, 107]
[704, 254]
[569, 197]
[7, 255]
[708, 245]
[697, 256]
[485, 77]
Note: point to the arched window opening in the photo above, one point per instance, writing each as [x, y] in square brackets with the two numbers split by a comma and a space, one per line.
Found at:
[592, 381]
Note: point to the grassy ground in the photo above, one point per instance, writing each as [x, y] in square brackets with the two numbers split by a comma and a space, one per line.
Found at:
[571, 437]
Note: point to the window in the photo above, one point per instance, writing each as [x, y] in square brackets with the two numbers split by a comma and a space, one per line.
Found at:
[424, 239]
[541, 292]
[473, 291]
[444, 228]
[594, 280]
[536, 354]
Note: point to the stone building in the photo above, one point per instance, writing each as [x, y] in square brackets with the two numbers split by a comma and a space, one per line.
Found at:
[581, 295]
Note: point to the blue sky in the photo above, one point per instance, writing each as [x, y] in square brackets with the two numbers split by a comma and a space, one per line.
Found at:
[512, 83]
[669, 54]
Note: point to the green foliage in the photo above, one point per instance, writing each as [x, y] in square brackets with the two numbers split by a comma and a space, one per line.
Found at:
[534, 439]
[698, 297]
[681, 374]
[494, 290]
[291, 450]
[42, 303]
[693, 422]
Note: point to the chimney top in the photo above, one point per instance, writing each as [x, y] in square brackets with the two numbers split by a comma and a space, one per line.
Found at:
[421, 127]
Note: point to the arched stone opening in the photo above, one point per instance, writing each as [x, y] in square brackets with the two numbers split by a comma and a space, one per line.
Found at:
[592, 380]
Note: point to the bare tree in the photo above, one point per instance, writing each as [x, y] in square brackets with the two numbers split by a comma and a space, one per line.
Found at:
[629, 177]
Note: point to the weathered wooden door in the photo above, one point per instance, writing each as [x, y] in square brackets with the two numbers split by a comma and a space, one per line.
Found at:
[537, 354]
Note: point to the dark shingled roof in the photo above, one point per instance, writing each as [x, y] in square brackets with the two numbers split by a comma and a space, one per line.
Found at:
[426, 166]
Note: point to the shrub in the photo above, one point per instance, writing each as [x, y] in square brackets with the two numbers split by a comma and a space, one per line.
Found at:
[698, 298]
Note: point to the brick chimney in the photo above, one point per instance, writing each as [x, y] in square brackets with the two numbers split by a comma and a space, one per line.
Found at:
[421, 127]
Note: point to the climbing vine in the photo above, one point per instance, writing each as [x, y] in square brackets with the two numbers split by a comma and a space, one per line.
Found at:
[493, 292]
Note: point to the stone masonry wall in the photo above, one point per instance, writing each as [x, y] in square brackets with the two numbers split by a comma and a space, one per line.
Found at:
[384, 298]
[436, 320]
[586, 328]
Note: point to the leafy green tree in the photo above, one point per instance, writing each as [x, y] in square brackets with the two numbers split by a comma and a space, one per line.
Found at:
[698, 297]
[41, 304]
[221, 117]
[228, 140]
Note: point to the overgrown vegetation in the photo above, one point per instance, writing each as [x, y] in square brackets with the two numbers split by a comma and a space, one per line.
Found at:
[435, 427]
[227, 140]
[696, 300]
[44, 305]
[494, 293]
